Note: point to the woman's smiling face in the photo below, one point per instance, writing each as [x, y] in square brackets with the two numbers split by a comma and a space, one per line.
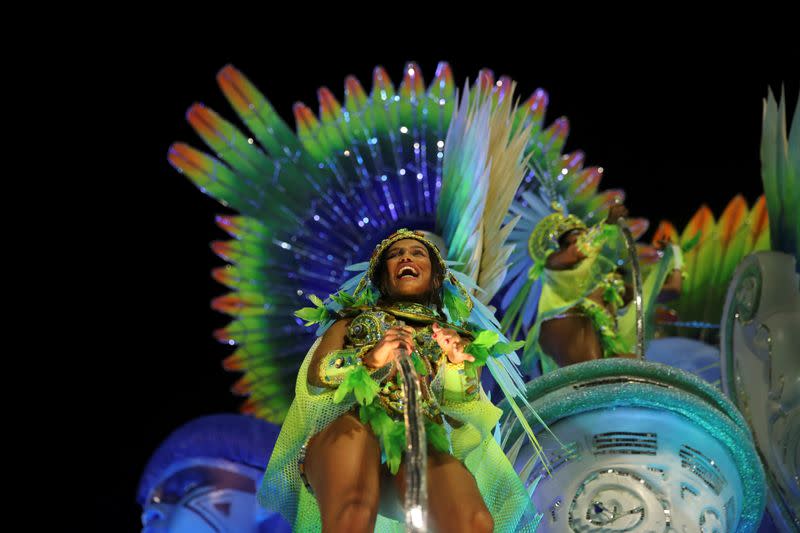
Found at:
[408, 269]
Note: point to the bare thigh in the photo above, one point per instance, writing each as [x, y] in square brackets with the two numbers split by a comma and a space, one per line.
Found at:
[343, 468]
[570, 340]
[454, 501]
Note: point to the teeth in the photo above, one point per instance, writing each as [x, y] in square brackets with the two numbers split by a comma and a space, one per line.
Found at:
[407, 270]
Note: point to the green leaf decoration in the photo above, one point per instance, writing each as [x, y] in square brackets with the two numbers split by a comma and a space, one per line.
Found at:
[458, 310]
[536, 270]
[344, 299]
[390, 433]
[419, 366]
[313, 315]
[360, 383]
[367, 297]
[341, 393]
[437, 436]
[609, 232]
[376, 417]
[480, 353]
[503, 348]
[486, 339]
[482, 347]
[394, 444]
[611, 295]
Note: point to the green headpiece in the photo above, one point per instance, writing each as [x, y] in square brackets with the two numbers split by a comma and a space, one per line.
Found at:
[399, 235]
[544, 238]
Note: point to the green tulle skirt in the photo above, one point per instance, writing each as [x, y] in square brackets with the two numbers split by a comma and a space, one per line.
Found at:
[283, 491]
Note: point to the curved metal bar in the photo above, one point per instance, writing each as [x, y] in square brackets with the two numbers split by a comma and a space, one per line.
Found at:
[416, 458]
[630, 245]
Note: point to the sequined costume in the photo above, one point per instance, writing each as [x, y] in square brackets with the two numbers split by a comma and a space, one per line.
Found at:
[312, 199]
[365, 330]
[569, 292]
[455, 406]
[310, 202]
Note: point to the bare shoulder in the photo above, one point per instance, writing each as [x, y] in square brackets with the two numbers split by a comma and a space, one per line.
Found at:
[332, 339]
[338, 330]
[334, 336]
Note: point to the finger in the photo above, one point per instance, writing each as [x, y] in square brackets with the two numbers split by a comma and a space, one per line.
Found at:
[443, 345]
[441, 329]
[464, 355]
[405, 330]
[443, 333]
[398, 335]
[460, 356]
[403, 345]
[450, 334]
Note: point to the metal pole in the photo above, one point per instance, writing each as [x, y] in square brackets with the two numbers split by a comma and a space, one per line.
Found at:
[630, 244]
[416, 459]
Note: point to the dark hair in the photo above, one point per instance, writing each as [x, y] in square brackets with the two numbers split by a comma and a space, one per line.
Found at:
[434, 296]
[562, 240]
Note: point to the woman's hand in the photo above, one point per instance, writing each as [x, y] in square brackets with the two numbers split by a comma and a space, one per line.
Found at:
[565, 258]
[615, 213]
[451, 344]
[387, 349]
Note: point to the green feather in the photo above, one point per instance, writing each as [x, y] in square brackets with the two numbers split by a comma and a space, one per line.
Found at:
[486, 339]
[344, 299]
[480, 354]
[419, 366]
[394, 443]
[437, 436]
[313, 315]
[390, 433]
[360, 383]
[691, 243]
[458, 310]
[367, 297]
[503, 348]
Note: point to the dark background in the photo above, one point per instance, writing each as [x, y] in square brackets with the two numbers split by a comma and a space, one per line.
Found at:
[675, 128]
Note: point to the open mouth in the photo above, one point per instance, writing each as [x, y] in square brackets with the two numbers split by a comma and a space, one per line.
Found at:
[407, 272]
